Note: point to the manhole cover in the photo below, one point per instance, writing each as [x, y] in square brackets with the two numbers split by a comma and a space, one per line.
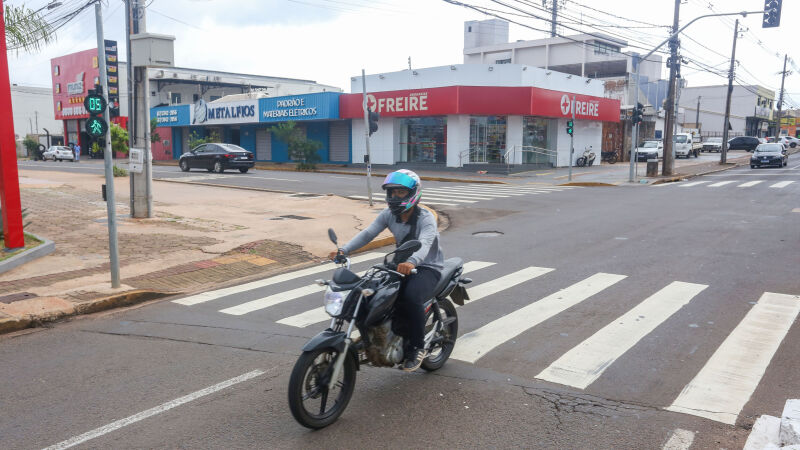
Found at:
[487, 233]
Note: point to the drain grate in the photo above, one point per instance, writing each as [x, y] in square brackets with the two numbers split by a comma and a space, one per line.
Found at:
[487, 233]
[306, 195]
[291, 216]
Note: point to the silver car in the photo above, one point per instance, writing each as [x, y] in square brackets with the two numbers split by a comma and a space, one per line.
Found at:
[59, 153]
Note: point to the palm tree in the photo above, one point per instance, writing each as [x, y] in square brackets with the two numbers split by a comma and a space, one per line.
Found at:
[26, 29]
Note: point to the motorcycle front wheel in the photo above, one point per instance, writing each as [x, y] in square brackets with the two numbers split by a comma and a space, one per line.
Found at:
[313, 403]
[580, 161]
[441, 352]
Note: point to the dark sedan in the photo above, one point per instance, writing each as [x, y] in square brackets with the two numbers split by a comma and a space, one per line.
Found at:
[769, 155]
[744, 143]
[217, 158]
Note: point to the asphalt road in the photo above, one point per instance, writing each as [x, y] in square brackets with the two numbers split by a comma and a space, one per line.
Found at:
[617, 304]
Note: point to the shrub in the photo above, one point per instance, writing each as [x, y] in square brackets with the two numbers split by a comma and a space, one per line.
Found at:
[301, 148]
[119, 171]
[119, 139]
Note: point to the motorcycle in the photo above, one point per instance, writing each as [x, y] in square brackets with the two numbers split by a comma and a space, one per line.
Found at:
[587, 159]
[364, 330]
[609, 157]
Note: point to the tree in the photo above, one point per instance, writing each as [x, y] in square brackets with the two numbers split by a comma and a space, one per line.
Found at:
[26, 29]
[154, 137]
[301, 148]
[195, 139]
[119, 139]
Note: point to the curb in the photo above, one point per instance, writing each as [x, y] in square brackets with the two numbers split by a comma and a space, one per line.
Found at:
[692, 175]
[244, 188]
[587, 183]
[45, 248]
[379, 175]
[11, 324]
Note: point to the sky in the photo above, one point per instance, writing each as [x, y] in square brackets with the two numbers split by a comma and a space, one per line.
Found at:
[330, 41]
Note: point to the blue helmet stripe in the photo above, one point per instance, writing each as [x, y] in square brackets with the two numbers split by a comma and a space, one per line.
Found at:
[401, 179]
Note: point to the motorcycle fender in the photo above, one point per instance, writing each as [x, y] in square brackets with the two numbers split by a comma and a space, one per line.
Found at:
[333, 339]
[459, 295]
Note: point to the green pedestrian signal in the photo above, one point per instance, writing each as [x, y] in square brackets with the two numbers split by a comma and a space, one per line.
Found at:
[569, 127]
[95, 104]
[96, 127]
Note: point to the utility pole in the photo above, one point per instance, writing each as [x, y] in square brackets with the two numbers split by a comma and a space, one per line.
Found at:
[669, 160]
[697, 115]
[111, 209]
[139, 117]
[678, 87]
[780, 98]
[555, 19]
[366, 132]
[571, 135]
[723, 157]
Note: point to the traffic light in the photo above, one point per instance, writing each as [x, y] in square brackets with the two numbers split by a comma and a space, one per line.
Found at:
[638, 112]
[772, 13]
[570, 129]
[95, 104]
[373, 121]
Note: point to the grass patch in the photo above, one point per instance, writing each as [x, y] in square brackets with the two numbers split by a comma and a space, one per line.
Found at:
[30, 242]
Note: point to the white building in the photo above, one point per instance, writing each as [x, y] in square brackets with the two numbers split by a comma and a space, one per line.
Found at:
[751, 109]
[33, 111]
[470, 113]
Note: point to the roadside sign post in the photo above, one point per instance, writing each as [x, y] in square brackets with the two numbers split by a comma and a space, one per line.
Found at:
[571, 131]
[366, 136]
[97, 127]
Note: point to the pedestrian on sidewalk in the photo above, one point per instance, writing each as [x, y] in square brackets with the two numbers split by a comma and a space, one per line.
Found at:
[77, 152]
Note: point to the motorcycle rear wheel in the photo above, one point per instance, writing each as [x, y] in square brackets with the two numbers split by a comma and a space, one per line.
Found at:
[307, 383]
[440, 354]
[580, 162]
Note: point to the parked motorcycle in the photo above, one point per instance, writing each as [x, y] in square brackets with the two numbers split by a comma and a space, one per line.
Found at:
[587, 159]
[324, 376]
[609, 157]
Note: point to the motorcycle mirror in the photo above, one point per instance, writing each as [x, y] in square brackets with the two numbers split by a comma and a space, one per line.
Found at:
[412, 245]
[332, 236]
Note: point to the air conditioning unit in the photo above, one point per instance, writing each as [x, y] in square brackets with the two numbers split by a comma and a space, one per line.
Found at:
[160, 74]
[194, 77]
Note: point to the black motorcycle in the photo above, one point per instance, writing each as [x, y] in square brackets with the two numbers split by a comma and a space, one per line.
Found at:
[324, 377]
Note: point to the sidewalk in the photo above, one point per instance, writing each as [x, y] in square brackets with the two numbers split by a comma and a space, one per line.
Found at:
[199, 237]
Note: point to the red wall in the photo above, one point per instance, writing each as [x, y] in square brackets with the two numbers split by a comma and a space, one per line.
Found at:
[70, 68]
[162, 150]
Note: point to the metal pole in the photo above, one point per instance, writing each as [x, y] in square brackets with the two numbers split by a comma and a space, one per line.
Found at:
[669, 161]
[572, 137]
[366, 135]
[697, 115]
[131, 107]
[634, 137]
[555, 19]
[723, 157]
[780, 100]
[113, 251]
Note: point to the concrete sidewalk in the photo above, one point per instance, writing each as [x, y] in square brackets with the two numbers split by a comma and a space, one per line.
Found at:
[200, 237]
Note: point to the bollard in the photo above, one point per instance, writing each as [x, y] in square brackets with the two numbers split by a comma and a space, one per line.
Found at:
[652, 167]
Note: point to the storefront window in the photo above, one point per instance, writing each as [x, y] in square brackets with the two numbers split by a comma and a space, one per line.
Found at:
[538, 140]
[423, 139]
[487, 139]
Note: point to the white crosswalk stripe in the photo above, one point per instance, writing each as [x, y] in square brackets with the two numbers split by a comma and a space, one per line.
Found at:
[478, 343]
[781, 184]
[218, 293]
[318, 315]
[732, 374]
[582, 365]
[461, 195]
[721, 183]
[751, 183]
[694, 183]
[378, 198]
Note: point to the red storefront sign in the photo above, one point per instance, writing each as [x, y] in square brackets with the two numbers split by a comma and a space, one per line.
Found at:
[480, 100]
[73, 76]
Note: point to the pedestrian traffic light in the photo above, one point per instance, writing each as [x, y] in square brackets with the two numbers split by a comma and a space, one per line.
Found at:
[373, 118]
[772, 13]
[570, 129]
[96, 105]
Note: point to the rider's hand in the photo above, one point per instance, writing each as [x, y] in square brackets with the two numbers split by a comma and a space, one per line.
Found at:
[405, 268]
[332, 255]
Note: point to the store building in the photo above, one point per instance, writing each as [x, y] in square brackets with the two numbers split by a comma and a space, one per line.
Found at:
[247, 123]
[790, 123]
[478, 114]
[751, 110]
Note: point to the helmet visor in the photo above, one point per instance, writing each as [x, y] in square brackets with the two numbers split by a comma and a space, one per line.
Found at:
[399, 179]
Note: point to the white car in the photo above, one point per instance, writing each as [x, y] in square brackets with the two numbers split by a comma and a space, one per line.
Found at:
[712, 144]
[59, 153]
[789, 141]
[650, 150]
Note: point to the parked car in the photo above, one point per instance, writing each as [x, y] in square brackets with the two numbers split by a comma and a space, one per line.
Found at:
[789, 141]
[712, 144]
[684, 145]
[773, 154]
[748, 143]
[217, 157]
[59, 153]
[650, 150]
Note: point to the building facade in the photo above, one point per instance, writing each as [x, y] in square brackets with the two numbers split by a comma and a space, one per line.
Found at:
[751, 110]
[33, 113]
[478, 114]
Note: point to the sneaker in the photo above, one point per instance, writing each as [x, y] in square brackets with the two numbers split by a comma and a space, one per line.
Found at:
[414, 359]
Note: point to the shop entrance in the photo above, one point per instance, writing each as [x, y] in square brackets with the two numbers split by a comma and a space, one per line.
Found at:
[487, 139]
[423, 139]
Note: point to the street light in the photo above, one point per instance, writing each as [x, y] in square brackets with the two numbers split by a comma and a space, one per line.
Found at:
[639, 67]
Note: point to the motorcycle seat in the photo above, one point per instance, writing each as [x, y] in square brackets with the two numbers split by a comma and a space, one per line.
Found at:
[451, 265]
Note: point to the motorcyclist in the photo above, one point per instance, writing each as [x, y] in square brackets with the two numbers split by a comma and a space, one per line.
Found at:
[407, 221]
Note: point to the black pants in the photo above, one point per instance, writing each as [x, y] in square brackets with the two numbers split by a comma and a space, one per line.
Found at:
[416, 290]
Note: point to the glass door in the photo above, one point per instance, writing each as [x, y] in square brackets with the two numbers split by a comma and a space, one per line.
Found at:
[477, 139]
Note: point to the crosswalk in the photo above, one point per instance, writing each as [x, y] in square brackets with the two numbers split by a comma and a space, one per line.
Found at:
[718, 391]
[770, 184]
[467, 194]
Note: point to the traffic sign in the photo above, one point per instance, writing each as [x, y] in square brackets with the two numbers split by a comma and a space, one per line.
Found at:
[95, 104]
[96, 127]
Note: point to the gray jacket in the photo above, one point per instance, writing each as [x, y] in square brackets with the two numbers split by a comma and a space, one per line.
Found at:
[430, 254]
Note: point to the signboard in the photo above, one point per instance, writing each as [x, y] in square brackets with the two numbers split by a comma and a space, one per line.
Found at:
[762, 112]
[221, 113]
[136, 160]
[324, 105]
[172, 116]
[112, 67]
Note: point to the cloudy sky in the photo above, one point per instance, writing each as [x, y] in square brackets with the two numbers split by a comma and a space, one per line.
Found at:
[331, 40]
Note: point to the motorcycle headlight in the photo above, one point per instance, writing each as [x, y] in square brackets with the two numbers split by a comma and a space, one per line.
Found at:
[334, 301]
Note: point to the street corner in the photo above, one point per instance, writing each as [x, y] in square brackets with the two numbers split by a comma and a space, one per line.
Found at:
[590, 184]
